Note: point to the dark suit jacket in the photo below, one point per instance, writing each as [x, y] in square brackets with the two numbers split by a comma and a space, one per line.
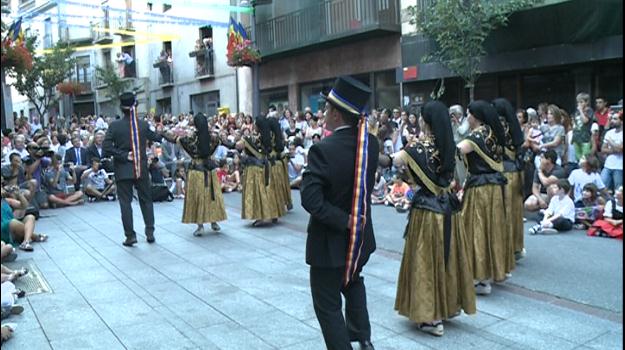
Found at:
[326, 191]
[92, 152]
[117, 144]
[70, 156]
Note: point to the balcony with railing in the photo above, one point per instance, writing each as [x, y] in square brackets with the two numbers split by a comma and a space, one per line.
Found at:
[204, 63]
[84, 78]
[101, 33]
[166, 72]
[327, 21]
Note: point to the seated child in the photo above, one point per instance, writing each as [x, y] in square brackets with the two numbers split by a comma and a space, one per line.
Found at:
[223, 174]
[560, 214]
[588, 208]
[97, 183]
[397, 195]
[612, 223]
[379, 189]
[177, 187]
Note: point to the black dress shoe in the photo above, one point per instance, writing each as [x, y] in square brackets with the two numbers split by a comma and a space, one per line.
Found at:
[130, 241]
[150, 238]
[366, 345]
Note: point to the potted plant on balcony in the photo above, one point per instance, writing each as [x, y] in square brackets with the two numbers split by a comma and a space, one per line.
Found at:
[16, 56]
[242, 54]
[70, 88]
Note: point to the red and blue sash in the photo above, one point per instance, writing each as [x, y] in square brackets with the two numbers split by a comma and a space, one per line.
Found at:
[135, 142]
[359, 203]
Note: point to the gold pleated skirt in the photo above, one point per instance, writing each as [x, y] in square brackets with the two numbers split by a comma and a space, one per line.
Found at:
[427, 290]
[485, 224]
[286, 184]
[514, 209]
[199, 207]
[259, 202]
[277, 183]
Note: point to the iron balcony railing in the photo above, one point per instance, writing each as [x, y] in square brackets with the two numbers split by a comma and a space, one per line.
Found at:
[204, 63]
[326, 21]
[100, 33]
[166, 72]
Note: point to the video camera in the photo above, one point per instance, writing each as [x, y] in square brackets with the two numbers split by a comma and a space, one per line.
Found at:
[40, 152]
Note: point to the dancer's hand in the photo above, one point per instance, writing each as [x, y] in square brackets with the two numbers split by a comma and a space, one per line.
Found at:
[130, 156]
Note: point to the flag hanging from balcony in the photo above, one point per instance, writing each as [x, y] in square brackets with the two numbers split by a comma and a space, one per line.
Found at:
[242, 32]
[240, 50]
[15, 33]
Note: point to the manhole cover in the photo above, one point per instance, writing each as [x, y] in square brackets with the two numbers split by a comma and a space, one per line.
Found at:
[33, 282]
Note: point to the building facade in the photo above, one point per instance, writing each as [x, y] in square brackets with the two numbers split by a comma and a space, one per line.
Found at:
[178, 53]
[548, 53]
[306, 44]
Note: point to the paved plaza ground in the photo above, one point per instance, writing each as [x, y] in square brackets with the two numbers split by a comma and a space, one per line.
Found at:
[247, 288]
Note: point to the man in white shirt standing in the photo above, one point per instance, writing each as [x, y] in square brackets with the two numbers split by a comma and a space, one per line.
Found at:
[612, 173]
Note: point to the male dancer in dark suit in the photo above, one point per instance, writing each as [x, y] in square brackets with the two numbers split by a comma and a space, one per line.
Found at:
[125, 141]
[328, 194]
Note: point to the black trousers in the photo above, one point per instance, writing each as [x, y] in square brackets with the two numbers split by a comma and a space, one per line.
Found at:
[326, 286]
[144, 192]
[562, 224]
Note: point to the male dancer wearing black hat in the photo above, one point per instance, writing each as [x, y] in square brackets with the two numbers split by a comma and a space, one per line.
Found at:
[125, 141]
[335, 191]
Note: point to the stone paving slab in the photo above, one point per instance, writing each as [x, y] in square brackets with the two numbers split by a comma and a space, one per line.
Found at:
[242, 288]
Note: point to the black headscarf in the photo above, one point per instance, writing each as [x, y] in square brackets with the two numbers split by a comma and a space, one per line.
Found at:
[264, 129]
[436, 115]
[504, 109]
[276, 130]
[486, 113]
[203, 135]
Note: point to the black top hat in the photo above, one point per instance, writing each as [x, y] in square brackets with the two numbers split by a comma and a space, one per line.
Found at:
[127, 100]
[348, 95]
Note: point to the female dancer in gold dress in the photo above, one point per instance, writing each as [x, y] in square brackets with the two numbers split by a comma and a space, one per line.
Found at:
[483, 210]
[203, 201]
[435, 279]
[259, 201]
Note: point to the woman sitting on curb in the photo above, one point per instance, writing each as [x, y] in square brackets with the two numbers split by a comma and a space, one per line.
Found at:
[16, 231]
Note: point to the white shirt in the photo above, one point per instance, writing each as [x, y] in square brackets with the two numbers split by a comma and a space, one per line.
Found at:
[101, 124]
[298, 160]
[614, 161]
[34, 128]
[572, 157]
[579, 178]
[607, 212]
[565, 207]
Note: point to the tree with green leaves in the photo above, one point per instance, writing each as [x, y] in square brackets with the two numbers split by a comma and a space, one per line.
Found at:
[39, 83]
[458, 30]
[107, 76]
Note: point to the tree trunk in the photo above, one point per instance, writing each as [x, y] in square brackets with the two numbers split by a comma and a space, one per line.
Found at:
[471, 87]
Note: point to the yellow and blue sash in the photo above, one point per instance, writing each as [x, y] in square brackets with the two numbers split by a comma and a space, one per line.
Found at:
[359, 203]
[136, 142]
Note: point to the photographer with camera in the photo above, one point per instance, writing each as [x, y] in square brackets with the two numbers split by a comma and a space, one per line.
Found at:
[36, 163]
[14, 173]
[58, 176]
[78, 159]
